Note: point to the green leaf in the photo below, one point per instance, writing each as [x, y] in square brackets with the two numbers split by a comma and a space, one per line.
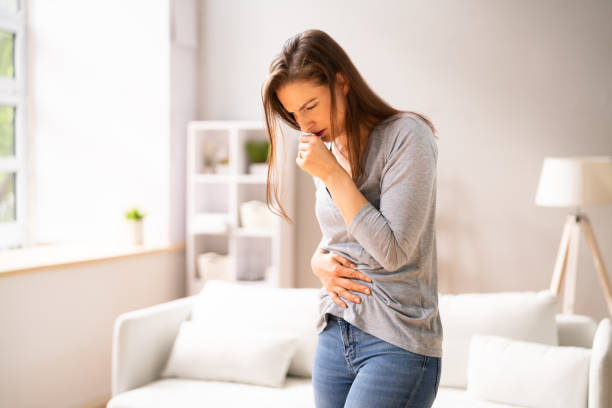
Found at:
[258, 150]
[134, 214]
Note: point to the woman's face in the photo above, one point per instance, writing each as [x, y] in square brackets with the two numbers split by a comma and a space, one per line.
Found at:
[310, 105]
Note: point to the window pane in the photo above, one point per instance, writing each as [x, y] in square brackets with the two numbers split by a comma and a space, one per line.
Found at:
[9, 6]
[7, 130]
[7, 54]
[7, 197]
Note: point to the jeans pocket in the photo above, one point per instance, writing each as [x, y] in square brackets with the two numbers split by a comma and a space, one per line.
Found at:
[331, 320]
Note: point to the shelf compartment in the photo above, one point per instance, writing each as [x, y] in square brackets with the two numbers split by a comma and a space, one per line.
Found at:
[218, 244]
[210, 223]
[209, 148]
[254, 192]
[211, 198]
[245, 135]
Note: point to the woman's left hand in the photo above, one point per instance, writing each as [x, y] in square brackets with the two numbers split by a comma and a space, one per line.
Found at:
[314, 158]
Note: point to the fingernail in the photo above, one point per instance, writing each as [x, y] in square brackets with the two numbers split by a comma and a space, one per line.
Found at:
[368, 291]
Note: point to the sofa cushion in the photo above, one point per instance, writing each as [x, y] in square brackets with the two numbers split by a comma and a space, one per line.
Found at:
[224, 304]
[528, 316]
[529, 374]
[185, 393]
[451, 397]
[231, 354]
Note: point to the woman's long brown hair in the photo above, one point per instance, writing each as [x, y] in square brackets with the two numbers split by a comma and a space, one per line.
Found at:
[313, 55]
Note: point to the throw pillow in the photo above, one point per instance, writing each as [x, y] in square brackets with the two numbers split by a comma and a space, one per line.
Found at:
[527, 316]
[231, 354]
[528, 374]
[225, 303]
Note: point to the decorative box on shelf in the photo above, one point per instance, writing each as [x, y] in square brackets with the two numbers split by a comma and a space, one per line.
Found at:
[212, 265]
[254, 214]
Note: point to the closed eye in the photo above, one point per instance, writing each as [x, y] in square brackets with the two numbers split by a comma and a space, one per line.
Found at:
[309, 108]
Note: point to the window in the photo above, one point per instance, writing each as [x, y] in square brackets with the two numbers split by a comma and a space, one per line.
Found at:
[13, 158]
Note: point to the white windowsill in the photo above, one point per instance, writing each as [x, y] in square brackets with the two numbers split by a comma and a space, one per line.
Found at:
[16, 261]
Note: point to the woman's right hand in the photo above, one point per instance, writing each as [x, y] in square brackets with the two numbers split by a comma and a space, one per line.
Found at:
[333, 270]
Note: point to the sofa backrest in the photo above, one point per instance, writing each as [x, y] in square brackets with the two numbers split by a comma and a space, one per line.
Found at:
[527, 316]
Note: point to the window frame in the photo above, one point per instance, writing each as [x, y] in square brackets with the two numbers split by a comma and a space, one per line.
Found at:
[13, 92]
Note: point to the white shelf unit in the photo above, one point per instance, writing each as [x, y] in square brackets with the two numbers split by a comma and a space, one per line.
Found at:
[213, 207]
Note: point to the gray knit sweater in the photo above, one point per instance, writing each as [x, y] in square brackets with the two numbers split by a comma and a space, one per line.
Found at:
[391, 238]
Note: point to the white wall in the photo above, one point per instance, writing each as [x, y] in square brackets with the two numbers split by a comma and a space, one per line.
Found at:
[506, 84]
[99, 113]
[184, 97]
[57, 325]
[110, 88]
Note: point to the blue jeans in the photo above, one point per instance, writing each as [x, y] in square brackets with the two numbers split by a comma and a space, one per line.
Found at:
[355, 369]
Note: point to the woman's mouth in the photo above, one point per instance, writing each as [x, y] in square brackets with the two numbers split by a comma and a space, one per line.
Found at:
[319, 133]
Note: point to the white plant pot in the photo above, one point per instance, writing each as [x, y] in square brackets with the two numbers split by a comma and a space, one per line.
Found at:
[258, 168]
[137, 232]
[222, 168]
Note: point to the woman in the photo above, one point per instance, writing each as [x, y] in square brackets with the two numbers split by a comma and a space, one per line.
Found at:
[374, 168]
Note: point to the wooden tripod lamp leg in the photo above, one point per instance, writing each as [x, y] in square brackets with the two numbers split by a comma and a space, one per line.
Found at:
[560, 263]
[569, 298]
[599, 263]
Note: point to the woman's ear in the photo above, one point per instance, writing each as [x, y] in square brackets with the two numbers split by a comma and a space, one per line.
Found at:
[343, 82]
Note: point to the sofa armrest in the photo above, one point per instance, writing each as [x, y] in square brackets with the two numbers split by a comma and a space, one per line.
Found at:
[575, 330]
[600, 372]
[142, 341]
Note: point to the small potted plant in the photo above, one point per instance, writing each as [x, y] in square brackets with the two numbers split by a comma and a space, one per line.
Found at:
[208, 157]
[258, 151]
[136, 217]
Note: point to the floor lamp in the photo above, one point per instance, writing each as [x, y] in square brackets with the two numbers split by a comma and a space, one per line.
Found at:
[575, 182]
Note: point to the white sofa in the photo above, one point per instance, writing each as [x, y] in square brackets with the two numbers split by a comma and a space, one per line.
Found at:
[143, 340]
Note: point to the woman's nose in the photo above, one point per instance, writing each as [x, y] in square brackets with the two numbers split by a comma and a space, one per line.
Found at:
[306, 125]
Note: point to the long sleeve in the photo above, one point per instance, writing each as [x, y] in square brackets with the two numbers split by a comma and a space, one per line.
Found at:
[322, 243]
[392, 237]
[391, 234]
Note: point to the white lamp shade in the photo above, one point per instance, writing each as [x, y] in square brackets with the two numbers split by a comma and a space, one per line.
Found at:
[575, 181]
